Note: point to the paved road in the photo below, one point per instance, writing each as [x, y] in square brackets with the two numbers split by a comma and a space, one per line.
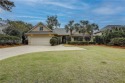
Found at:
[14, 51]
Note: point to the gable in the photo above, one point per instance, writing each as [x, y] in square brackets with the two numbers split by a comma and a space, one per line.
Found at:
[41, 28]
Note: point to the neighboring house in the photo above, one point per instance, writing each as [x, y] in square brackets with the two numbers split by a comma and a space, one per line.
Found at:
[41, 35]
[108, 27]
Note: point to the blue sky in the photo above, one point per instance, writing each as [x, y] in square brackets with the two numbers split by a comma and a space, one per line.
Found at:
[102, 12]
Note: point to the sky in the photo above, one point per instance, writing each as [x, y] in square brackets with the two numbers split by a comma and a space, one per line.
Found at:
[101, 12]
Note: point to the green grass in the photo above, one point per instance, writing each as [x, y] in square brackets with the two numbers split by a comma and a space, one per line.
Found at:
[97, 64]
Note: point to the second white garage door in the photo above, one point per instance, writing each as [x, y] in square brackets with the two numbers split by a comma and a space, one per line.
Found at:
[40, 40]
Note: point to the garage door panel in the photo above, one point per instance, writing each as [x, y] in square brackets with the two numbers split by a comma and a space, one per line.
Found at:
[40, 40]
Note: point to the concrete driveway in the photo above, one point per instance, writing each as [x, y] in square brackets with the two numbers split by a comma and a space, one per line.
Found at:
[14, 51]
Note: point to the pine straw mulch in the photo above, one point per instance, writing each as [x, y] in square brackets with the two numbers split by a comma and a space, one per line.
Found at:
[7, 46]
[121, 47]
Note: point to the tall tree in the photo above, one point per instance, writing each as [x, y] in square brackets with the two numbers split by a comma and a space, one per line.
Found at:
[17, 28]
[70, 27]
[52, 22]
[77, 27]
[93, 27]
[86, 29]
[83, 27]
[6, 5]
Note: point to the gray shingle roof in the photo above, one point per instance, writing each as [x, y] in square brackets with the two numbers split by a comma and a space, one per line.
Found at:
[41, 32]
[110, 27]
[60, 31]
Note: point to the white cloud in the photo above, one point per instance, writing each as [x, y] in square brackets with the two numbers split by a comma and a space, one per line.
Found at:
[27, 17]
[108, 8]
[1, 10]
[68, 6]
[63, 4]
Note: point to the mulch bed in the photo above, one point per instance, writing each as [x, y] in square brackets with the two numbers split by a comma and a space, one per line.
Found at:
[6, 46]
[122, 47]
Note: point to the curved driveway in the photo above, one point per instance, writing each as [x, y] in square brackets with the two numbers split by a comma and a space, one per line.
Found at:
[14, 51]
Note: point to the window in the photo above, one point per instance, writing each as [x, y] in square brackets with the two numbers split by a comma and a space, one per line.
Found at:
[78, 38]
[41, 28]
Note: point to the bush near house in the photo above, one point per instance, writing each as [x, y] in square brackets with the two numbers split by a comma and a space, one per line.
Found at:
[111, 38]
[9, 40]
[55, 41]
[80, 43]
[117, 42]
[58, 40]
[110, 35]
[98, 40]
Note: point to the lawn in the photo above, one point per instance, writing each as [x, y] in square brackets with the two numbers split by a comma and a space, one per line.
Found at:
[97, 64]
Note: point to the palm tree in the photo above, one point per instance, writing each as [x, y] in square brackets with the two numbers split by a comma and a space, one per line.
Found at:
[70, 27]
[52, 22]
[93, 27]
[77, 27]
[6, 5]
[83, 27]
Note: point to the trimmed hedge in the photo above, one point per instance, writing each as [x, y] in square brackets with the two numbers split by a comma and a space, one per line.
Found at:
[9, 40]
[80, 43]
[117, 42]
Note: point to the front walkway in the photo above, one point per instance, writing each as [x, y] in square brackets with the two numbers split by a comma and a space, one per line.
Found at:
[14, 51]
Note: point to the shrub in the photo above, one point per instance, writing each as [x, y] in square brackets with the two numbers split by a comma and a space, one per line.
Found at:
[98, 40]
[80, 43]
[9, 40]
[117, 42]
[53, 41]
[58, 39]
[107, 36]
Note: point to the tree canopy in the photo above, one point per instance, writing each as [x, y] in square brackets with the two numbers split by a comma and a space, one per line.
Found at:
[70, 26]
[17, 28]
[52, 22]
[6, 5]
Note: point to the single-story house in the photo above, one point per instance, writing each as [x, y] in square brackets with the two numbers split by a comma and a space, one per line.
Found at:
[41, 34]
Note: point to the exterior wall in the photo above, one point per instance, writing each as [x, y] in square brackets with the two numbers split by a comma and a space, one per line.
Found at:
[98, 34]
[38, 28]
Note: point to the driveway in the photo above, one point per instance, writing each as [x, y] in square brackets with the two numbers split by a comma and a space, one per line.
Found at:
[14, 51]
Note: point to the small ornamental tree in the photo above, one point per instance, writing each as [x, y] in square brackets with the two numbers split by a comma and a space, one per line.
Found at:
[53, 41]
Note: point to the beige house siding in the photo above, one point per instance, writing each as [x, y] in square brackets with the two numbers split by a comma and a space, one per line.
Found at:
[38, 28]
[98, 34]
[42, 38]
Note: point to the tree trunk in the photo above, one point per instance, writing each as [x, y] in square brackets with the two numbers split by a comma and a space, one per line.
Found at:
[92, 36]
[71, 35]
[83, 36]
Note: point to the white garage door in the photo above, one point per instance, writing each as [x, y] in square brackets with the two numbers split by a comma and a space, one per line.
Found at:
[40, 40]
